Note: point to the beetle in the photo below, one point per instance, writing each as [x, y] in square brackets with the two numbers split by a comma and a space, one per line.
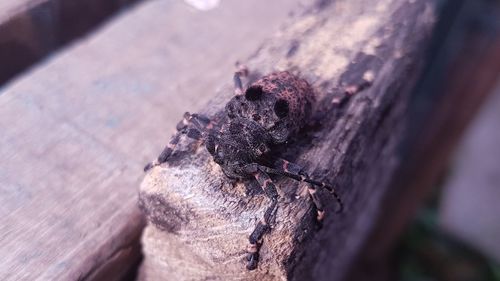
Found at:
[256, 121]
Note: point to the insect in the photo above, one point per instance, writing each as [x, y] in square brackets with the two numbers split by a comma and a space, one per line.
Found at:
[256, 121]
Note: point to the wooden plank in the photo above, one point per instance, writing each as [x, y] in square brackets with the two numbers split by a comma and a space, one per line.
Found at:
[461, 77]
[200, 221]
[76, 131]
[32, 29]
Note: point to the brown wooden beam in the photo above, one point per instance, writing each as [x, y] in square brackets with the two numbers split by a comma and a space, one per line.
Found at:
[200, 221]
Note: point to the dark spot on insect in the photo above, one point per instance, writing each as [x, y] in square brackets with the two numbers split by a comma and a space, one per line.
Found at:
[253, 93]
[281, 108]
[244, 106]
[256, 117]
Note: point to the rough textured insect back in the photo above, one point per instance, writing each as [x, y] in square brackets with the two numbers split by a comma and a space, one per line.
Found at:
[244, 139]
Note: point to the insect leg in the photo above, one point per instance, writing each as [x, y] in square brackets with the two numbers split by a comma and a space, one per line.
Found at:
[352, 86]
[287, 166]
[200, 122]
[302, 176]
[311, 189]
[194, 126]
[241, 72]
[255, 239]
[293, 168]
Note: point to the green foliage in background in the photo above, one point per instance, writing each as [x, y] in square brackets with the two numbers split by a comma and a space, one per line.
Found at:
[427, 253]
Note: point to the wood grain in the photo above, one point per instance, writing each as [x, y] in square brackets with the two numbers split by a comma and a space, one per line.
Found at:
[200, 221]
[462, 75]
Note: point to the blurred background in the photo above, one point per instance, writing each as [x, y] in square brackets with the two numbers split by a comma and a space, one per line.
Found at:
[61, 59]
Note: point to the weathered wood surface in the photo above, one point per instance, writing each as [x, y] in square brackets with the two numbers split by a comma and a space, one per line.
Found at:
[200, 221]
[76, 131]
[462, 75]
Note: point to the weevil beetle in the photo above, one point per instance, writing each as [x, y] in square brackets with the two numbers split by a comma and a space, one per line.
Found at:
[257, 120]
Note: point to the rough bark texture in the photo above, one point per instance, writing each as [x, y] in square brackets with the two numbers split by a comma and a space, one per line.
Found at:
[200, 221]
[462, 74]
